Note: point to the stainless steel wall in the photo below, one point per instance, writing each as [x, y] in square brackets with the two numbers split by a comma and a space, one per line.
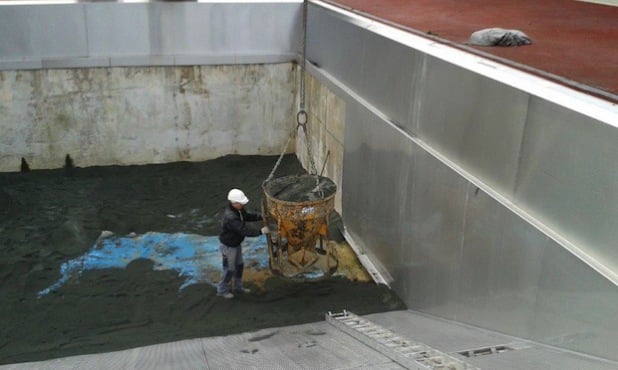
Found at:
[487, 195]
[157, 33]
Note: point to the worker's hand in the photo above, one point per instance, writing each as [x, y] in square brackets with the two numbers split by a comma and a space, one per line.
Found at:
[265, 230]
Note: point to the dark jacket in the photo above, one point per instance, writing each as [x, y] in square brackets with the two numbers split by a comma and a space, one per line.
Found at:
[233, 228]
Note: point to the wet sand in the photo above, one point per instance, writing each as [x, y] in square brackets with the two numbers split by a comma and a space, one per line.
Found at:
[49, 217]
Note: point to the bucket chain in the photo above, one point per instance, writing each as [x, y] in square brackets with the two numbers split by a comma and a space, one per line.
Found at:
[301, 117]
[303, 64]
[303, 125]
[285, 148]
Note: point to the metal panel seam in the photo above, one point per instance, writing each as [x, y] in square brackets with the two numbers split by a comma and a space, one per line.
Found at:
[85, 18]
[461, 244]
[521, 149]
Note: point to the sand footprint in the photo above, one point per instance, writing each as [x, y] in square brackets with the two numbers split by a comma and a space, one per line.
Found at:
[308, 344]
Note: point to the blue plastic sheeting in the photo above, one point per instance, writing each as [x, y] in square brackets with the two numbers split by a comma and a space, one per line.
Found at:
[195, 257]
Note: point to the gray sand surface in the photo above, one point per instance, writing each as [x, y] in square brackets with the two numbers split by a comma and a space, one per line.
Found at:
[49, 217]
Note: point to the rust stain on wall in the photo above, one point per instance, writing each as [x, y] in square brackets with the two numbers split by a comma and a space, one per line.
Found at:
[191, 81]
[136, 115]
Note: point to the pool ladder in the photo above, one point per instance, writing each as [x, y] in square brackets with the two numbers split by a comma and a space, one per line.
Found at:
[406, 353]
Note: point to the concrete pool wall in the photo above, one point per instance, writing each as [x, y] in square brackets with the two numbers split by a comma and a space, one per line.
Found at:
[138, 115]
[113, 83]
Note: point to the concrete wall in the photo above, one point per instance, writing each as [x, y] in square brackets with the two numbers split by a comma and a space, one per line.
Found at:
[125, 83]
[134, 115]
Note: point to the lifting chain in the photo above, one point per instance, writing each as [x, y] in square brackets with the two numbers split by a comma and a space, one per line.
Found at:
[301, 117]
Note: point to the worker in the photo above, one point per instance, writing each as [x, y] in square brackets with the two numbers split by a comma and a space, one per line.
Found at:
[233, 231]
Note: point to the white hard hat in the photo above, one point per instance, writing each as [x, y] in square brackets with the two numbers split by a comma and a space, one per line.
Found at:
[237, 196]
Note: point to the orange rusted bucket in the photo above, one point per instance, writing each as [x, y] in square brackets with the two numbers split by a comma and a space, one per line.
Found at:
[297, 208]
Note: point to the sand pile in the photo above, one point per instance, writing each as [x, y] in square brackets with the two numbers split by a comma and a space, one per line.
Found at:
[300, 188]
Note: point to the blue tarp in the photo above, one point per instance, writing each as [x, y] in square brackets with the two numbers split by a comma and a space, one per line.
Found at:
[194, 257]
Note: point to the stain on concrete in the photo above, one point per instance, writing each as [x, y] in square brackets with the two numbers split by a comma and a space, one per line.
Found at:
[82, 79]
[184, 154]
[61, 122]
[123, 115]
[186, 77]
[258, 338]
[191, 81]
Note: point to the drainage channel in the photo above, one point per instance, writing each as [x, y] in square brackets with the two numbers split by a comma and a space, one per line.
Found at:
[408, 354]
[485, 351]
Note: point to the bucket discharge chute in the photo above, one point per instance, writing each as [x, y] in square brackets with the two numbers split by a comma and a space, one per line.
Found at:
[296, 208]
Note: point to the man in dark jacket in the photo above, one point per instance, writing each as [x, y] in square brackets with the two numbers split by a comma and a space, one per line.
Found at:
[233, 232]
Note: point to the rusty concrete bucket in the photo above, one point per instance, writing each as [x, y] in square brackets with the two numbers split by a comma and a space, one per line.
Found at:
[296, 208]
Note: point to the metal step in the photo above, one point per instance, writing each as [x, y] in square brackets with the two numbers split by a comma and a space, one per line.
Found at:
[408, 354]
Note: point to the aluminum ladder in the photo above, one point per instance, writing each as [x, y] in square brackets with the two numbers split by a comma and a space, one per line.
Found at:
[408, 354]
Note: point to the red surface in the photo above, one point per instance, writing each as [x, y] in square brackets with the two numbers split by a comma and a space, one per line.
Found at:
[574, 40]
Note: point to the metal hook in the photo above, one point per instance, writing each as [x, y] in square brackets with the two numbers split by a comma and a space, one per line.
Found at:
[301, 118]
